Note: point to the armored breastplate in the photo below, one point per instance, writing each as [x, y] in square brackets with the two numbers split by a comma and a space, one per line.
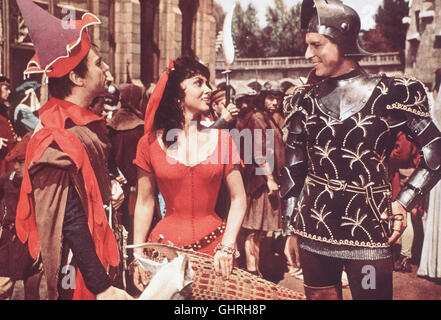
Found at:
[341, 98]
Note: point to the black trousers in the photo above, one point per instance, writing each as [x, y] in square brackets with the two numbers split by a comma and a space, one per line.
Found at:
[368, 280]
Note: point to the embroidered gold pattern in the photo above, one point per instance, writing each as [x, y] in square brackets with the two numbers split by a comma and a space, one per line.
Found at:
[407, 108]
[357, 157]
[356, 223]
[320, 216]
[368, 160]
[360, 123]
[406, 82]
[340, 242]
[330, 123]
[325, 154]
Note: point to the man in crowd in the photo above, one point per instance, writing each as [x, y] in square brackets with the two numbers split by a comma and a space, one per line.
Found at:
[8, 138]
[341, 131]
[15, 261]
[66, 180]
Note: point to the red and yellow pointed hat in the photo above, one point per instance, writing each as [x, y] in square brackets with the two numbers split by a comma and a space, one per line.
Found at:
[59, 45]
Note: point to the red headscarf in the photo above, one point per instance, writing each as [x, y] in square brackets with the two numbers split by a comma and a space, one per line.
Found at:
[155, 99]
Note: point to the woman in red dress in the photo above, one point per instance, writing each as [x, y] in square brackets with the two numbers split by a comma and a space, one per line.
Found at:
[187, 163]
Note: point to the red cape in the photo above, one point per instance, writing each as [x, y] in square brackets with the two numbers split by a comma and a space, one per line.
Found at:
[53, 116]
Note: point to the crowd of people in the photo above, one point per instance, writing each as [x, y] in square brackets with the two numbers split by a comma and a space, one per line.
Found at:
[336, 167]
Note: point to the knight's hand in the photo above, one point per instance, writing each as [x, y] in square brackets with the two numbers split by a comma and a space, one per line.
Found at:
[399, 221]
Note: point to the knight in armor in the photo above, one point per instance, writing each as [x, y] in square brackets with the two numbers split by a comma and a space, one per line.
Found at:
[340, 131]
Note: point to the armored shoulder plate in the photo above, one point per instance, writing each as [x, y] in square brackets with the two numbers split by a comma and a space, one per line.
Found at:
[341, 99]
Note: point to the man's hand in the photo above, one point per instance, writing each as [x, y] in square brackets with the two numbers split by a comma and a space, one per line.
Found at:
[117, 195]
[3, 142]
[113, 293]
[230, 112]
[399, 221]
[273, 187]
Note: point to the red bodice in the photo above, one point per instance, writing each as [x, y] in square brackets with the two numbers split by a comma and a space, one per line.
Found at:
[190, 192]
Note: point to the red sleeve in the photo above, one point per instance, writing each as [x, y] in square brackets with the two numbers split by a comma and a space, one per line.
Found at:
[142, 159]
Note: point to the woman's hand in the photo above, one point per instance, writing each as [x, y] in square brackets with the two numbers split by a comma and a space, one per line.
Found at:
[223, 261]
[140, 278]
[399, 221]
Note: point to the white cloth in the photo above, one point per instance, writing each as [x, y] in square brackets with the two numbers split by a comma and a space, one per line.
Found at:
[430, 264]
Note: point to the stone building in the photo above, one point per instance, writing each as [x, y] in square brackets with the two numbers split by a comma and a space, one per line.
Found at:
[423, 45]
[136, 38]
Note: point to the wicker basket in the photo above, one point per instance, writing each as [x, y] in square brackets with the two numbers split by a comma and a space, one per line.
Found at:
[241, 285]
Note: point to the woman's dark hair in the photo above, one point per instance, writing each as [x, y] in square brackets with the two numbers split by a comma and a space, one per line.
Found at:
[170, 114]
[60, 88]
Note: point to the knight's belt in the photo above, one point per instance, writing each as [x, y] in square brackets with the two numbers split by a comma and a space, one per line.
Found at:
[339, 185]
[368, 191]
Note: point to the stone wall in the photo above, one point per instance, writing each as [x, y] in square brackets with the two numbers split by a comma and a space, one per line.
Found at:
[169, 32]
[119, 35]
[2, 39]
[423, 45]
[128, 40]
[205, 36]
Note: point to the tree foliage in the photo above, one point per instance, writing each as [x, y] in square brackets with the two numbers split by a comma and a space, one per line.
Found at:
[285, 37]
[390, 30]
[281, 37]
[246, 32]
[373, 40]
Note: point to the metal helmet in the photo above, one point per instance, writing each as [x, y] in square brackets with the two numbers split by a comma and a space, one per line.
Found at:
[335, 20]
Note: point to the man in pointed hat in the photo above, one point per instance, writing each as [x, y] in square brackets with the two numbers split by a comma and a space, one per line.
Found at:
[66, 180]
[341, 130]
